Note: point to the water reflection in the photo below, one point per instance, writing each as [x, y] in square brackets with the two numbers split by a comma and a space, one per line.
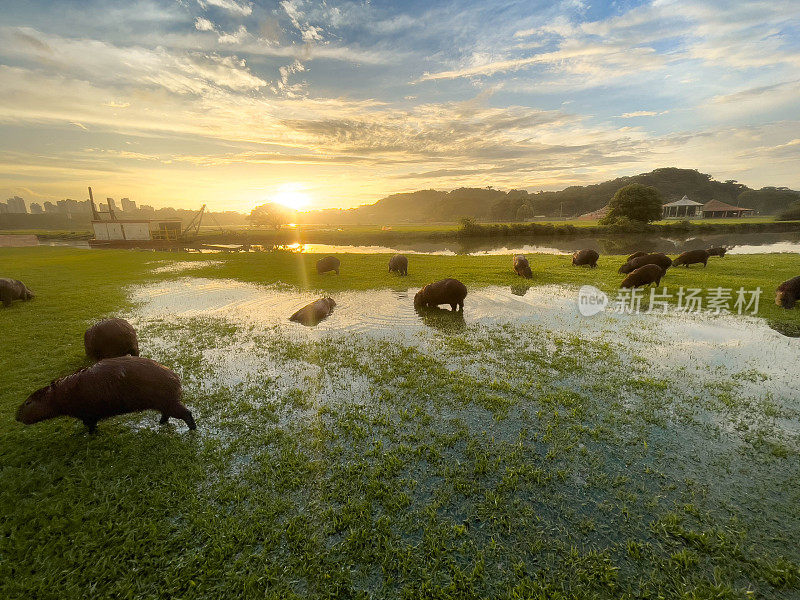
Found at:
[737, 243]
[442, 319]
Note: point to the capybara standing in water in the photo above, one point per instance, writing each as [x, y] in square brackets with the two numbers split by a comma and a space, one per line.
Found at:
[585, 257]
[691, 257]
[635, 255]
[328, 264]
[399, 264]
[522, 267]
[313, 313]
[446, 291]
[788, 293]
[111, 387]
[110, 338]
[662, 260]
[717, 251]
[643, 276]
[13, 289]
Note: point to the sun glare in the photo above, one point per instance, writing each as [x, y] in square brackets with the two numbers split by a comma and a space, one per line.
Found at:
[291, 197]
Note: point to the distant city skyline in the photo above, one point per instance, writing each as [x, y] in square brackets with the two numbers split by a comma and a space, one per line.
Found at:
[233, 103]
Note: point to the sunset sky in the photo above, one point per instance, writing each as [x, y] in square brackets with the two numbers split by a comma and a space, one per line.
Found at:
[235, 102]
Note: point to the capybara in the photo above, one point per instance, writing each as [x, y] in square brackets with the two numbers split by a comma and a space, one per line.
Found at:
[788, 293]
[313, 313]
[113, 386]
[717, 251]
[399, 264]
[643, 276]
[691, 257]
[328, 264]
[110, 338]
[662, 260]
[13, 289]
[446, 291]
[635, 255]
[522, 267]
[585, 257]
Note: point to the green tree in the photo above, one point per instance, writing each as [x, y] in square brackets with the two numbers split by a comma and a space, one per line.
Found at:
[524, 212]
[636, 202]
[791, 213]
[271, 215]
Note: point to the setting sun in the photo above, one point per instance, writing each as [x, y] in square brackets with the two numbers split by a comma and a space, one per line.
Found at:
[290, 196]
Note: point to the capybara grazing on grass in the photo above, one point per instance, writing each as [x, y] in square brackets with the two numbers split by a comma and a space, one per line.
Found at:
[788, 293]
[313, 313]
[717, 251]
[585, 257]
[446, 291]
[114, 386]
[644, 275]
[328, 264]
[635, 255]
[691, 257]
[662, 260]
[110, 338]
[13, 289]
[398, 264]
[522, 267]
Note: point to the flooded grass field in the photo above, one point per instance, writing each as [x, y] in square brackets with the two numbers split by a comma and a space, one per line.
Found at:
[519, 450]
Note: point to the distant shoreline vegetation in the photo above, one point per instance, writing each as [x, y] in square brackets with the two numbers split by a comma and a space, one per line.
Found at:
[466, 229]
[469, 228]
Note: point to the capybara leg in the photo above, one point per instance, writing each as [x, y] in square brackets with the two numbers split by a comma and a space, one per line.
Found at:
[91, 424]
[164, 419]
[6, 298]
[183, 413]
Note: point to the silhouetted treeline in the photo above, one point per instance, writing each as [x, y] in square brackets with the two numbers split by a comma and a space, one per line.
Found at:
[73, 221]
[487, 204]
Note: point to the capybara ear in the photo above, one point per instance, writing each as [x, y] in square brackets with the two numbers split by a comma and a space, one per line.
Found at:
[52, 382]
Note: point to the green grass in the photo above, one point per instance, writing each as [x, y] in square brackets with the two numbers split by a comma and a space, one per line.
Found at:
[508, 462]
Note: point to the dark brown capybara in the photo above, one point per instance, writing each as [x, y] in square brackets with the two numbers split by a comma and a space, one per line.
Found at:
[313, 313]
[635, 255]
[398, 264]
[110, 338]
[691, 257]
[644, 275]
[13, 289]
[328, 264]
[446, 291]
[788, 293]
[717, 251]
[110, 387]
[656, 258]
[585, 257]
[522, 267]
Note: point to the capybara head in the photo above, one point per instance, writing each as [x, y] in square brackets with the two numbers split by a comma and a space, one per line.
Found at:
[419, 297]
[785, 299]
[330, 301]
[38, 407]
[626, 268]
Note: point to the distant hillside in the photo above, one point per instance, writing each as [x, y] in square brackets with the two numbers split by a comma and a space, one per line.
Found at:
[515, 205]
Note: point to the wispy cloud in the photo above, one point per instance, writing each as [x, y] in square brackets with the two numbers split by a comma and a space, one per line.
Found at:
[236, 8]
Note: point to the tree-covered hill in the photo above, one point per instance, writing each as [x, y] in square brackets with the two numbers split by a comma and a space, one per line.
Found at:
[517, 205]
